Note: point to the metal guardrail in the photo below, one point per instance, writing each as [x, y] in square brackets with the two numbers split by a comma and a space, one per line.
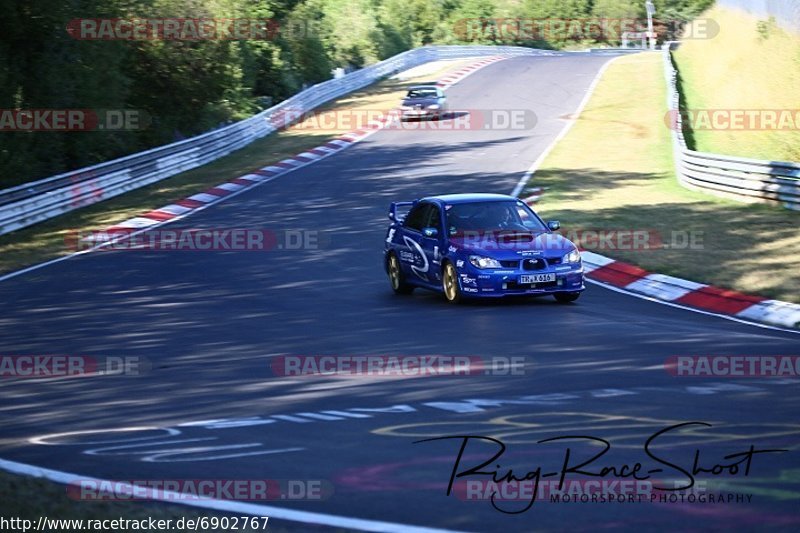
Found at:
[36, 201]
[737, 178]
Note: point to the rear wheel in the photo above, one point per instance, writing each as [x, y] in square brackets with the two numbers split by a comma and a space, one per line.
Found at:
[396, 277]
[450, 286]
[566, 297]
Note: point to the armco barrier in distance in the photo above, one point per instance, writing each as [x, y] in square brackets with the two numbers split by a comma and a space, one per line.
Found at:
[34, 202]
[737, 178]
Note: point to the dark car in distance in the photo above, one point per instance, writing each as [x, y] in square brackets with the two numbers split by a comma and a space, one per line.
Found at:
[423, 101]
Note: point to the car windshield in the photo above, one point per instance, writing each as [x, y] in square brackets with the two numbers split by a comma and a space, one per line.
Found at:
[421, 93]
[512, 215]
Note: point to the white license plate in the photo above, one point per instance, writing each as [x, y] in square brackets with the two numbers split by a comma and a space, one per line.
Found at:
[536, 278]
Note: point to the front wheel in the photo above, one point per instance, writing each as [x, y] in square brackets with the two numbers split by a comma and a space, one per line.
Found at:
[566, 297]
[450, 287]
[396, 277]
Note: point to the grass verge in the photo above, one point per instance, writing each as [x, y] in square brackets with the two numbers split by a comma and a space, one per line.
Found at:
[614, 170]
[46, 240]
[750, 64]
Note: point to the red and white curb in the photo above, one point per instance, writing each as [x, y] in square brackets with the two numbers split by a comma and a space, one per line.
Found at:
[186, 206]
[686, 293]
[706, 298]
[458, 75]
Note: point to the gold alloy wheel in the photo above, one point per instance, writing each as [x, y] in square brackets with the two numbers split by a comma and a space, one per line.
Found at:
[450, 283]
[394, 272]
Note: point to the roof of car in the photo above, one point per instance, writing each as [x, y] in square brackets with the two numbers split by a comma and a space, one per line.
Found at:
[430, 86]
[469, 198]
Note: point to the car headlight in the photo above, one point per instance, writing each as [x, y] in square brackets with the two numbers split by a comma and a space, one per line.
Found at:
[484, 262]
[573, 257]
[433, 106]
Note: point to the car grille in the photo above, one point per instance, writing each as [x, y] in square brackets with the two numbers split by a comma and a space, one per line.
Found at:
[533, 264]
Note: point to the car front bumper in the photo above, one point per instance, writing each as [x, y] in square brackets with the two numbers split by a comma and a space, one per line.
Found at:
[490, 283]
[418, 113]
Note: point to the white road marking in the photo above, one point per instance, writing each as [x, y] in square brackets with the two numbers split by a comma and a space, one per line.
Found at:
[227, 506]
[346, 414]
[290, 418]
[318, 416]
[692, 309]
[568, 126]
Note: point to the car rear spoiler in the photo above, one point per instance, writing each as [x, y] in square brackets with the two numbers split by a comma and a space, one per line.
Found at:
[394, 216]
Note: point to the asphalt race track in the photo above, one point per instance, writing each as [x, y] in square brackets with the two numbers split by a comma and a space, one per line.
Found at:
[209, 322]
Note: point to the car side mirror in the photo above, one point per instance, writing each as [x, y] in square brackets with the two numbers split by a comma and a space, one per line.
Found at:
[554, 225]
[430, 232]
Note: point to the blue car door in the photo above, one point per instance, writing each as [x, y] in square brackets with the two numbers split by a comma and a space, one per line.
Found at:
[431, 243]
[419, 250]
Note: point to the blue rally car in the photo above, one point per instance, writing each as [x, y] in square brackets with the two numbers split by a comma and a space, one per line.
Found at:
[479, 245]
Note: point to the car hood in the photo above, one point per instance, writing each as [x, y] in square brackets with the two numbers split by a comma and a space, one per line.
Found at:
[424, 102]
[513, 244]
